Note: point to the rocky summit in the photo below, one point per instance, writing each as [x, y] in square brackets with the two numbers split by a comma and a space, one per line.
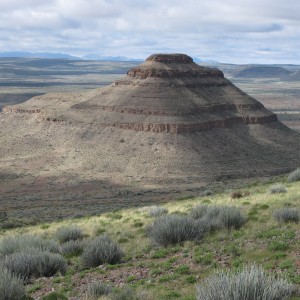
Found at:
[168, 127]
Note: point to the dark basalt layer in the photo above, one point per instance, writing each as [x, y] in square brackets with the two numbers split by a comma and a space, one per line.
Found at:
[170, 58]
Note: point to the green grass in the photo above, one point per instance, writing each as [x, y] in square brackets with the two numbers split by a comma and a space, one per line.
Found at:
[172, 272]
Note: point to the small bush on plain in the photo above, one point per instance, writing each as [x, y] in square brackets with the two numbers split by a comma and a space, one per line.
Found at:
[156, 211]
[236, 195]
[127, 293]
[206, 193]
[98, 289]
[173, 229]
[72, 248]
[55, 296]
[250, 283]
[239, 194]
[218, 216]
[294, 176]
[11, 286]
[101, 250]
[9, 245]
[286, 215]
[124, 293]
[71, 233]
[277, 188]
[199, 211]
[231, 217]
[35, 263]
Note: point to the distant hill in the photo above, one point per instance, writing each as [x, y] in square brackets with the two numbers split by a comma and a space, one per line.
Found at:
[109, 58]
[49, 55]
[37, 55]
[261, 72]
[91, 56]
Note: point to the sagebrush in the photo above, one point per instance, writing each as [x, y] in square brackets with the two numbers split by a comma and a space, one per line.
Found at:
[101, 250]
[294, 176]
[70, 233]
[34, 263]
[72, 248]
[219, 216]
[156, 211]
[286, 215]
[9, 245]
[11, 286]
[97, 289]
[277, 188]
[174, 229]
[250, 283]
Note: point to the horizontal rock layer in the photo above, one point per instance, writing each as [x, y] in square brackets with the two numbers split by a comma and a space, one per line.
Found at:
[9, 109]
[193, 127]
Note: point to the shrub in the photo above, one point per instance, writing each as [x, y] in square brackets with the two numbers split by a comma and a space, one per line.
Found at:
[286, 215]
[10, 224]
[101, 250]
[174, 229]
[206, 225]
[239, 194]
[214, 217]
[97, 289]
[250, 283]
[78, 215]
[231, 217]
[71, 233]
[9, 245]
[236, 195]
[294, 176]
[124, 293]
[156, 211]
[3, 216]
[199, 211]
[55, 296]
[277, 188]
[206, 193]
[72, 248]
[11, 286]
[278, 246]
[35, 263]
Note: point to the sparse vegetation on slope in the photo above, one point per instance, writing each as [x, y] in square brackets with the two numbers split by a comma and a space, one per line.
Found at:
[160, 257]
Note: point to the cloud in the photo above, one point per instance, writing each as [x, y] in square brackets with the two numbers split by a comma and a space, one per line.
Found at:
[229, 31]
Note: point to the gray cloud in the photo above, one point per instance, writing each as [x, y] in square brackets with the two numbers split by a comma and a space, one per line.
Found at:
[229, 31]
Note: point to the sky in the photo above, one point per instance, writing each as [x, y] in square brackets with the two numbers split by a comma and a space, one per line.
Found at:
[228, 31]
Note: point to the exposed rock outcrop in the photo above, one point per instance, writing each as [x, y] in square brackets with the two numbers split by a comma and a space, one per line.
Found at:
[177, 96]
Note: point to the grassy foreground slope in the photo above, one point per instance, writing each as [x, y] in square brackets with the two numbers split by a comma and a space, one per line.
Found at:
[150, 271]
